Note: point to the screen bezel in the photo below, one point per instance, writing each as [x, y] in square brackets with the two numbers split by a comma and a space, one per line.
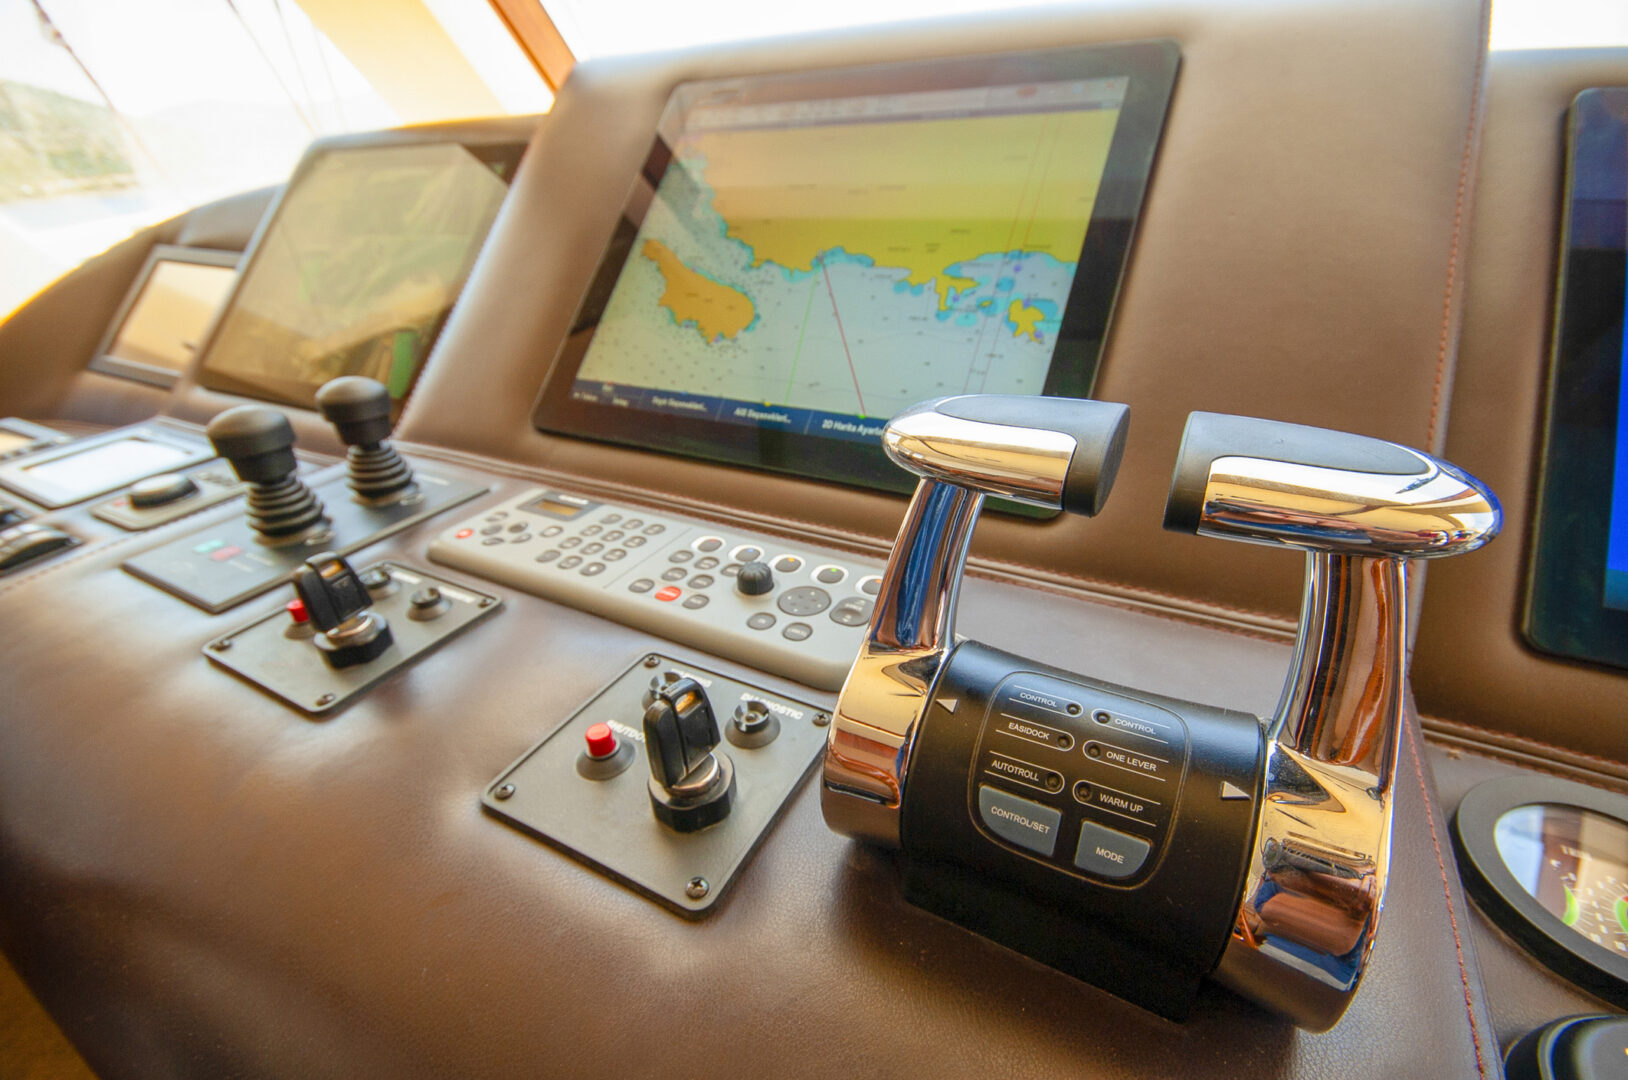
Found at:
[505, 143]
[17, 473]
[103, 359]
[1565, 611]
[1151, 67]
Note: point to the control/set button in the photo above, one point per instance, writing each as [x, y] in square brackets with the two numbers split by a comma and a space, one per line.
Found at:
[681, 555]
[870, 586]
[695, 601]
[1023, 822]
[761, 621]
[852, 611]
[830, 575]
[709, 543]
[788, 564]
[804, 600]
[643, 585]
[1109, 853]
[673, 573]
[797, 631]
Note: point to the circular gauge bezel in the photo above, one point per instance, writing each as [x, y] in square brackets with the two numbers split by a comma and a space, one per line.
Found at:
[1489, 880]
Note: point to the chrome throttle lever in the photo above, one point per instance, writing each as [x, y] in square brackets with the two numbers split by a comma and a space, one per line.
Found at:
[1360, 508]
[1054, 453]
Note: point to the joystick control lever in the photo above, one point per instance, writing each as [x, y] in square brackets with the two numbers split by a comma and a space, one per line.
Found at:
[1051, 811]
[338, 602]
[1360, 508]
[691, 786]
[359, 410]
[258, 442]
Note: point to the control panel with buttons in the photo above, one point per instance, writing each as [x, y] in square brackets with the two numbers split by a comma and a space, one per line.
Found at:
[28, 543]
[775, 605]
[159, 500]
[667, 779]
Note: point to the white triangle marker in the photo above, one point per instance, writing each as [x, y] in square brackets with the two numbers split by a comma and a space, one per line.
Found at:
[948, 704]
[1229, 791]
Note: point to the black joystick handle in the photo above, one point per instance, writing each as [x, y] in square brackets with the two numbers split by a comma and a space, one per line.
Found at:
[690, 786]
[259, 445]
[755, 579]
[359, 410]
[338, 601]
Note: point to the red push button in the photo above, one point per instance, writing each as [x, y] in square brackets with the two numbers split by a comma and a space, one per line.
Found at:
[465, 534]
[669, 594]
[601, 741]
[297, 612]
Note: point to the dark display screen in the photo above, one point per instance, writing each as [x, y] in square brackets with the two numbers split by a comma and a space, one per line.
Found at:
[805, 256]
[1577, 597]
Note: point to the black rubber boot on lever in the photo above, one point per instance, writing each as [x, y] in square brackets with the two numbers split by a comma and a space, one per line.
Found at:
[359, 410]
[258, 442]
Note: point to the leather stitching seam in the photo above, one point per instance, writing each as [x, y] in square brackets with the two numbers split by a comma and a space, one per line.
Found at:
[1452, 916]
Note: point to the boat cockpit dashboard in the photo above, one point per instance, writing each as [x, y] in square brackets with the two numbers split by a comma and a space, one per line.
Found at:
[732, 575]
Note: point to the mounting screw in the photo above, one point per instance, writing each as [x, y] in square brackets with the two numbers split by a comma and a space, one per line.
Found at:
[325, 699]
[697, 888]
[652, 661]
[486, 601]
[503, 791]
[821, 719]
[1073, 709]
[222, 645]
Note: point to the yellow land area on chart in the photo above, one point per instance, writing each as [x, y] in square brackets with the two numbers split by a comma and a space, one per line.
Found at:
[716, 310]
[921, 195]
[1023, 319]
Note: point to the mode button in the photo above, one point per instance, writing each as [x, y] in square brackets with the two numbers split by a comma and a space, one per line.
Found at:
[1026, 824]
[1109, 853]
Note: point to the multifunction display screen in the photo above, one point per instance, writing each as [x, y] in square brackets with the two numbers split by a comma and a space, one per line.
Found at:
[1575, 863]
[806, 256]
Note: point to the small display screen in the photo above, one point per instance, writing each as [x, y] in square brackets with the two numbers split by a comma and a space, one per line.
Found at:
[166, 323]
[11, 440]
[358, 268]
[1575, 863]
[106, 466]
[805, 256]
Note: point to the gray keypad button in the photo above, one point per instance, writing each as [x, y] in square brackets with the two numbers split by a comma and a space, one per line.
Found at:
[633, 523]
[593, 530]
[490, 540]
[518, 527]
[593, 569]
[655, 530]
[696, 601]
[797, 631]
[853, 611]
[548, 556]
[681, 555]
[871, 585]
[673, 573]
[521, 539]
[636, 541]
[731, 570]
[709, 543]
[644, 584]
[804, 600]
[593, 549]
[706, 562]
[570, 562]
[761, 621]
[746, 553]
[552, 530]
[571, 542]
[491, 530]
[788, 564]
[701, 581]
[1108, 852]
[1023, 822]
[830, 575]
[613, 536]
[611, 519]
[615, 554]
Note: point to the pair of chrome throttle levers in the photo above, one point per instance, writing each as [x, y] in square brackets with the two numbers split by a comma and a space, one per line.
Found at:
[1135, 841]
